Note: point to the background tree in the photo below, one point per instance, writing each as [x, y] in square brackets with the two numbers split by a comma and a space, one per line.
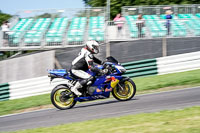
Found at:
[4, 17]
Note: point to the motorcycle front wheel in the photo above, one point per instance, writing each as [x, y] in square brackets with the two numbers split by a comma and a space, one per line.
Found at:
[124, 90]
[62, 97]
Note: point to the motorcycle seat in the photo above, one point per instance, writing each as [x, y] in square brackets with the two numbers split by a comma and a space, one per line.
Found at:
[71, 75]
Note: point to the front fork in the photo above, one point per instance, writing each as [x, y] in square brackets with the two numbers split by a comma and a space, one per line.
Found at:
[121, 83]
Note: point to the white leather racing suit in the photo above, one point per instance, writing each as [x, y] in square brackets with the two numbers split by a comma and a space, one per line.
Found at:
[82, 63]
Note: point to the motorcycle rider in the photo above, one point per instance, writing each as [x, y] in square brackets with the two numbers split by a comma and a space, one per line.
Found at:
[83, 62]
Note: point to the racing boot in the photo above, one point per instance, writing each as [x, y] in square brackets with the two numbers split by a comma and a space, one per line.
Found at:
[75, 88]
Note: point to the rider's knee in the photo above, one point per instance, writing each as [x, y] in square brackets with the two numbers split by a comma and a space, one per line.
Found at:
[83, 82]
[87, 81]
[90, 78]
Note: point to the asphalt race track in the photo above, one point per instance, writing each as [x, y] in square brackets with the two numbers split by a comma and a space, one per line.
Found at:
[102, 109]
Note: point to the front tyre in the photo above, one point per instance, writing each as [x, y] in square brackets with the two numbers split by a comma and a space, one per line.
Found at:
[124, 90]
[62, 97]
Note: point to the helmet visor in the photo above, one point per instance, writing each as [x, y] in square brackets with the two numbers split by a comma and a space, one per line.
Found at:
[96, 49]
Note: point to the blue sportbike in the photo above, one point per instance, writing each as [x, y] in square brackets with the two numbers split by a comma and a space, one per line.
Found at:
[121, 87]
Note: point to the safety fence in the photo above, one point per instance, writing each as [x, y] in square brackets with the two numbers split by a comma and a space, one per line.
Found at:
[161, 9]
[27, 88]
[60, 32]
[141, 68]
[152, 28]
[163, 65]
[4, 91]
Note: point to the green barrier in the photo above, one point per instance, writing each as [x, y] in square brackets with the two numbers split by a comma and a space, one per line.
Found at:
[141, 68]
[140, 65]
[146, 73]
[4, 97]
[138, 62]
[4, 92]
[4, 86]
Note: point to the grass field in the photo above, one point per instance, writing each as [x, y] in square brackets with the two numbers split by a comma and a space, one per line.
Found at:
[189, 78]
[144, 85]
[176, 121]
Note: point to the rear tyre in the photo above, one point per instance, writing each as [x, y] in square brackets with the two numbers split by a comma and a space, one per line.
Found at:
[62, 97]
[124, 90]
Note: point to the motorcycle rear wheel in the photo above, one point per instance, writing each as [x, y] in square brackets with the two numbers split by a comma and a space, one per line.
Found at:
[124, 91]
[62, 97]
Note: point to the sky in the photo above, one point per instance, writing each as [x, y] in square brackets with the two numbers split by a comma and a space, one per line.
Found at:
[12, 6]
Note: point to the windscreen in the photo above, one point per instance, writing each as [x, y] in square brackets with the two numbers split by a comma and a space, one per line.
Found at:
[111, 59]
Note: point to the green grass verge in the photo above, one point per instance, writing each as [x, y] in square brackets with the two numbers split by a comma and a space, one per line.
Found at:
[176, 121]
[11, 106]
[144, 84]
[174, 79]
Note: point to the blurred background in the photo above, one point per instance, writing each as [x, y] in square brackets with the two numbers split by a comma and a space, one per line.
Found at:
[148, 37]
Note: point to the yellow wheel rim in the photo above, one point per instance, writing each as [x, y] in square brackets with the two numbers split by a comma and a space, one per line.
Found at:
[126, 92]
[60, 100]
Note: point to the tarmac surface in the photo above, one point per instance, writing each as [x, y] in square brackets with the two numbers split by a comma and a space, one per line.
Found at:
[146, 103]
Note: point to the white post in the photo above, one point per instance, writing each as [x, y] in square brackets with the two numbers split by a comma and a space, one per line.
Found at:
[107, 49]
[108, 19]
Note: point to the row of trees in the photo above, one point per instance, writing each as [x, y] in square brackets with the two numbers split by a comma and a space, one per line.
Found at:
[115, 5]
[3, 17]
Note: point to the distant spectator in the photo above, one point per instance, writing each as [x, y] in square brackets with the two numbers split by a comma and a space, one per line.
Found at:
[5, 29]
[168, 23]
[140, 24]
[119, 21]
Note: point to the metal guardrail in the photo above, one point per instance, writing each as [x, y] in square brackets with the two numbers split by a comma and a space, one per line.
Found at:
[38, 39]
[161, 9]
[153, 28]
